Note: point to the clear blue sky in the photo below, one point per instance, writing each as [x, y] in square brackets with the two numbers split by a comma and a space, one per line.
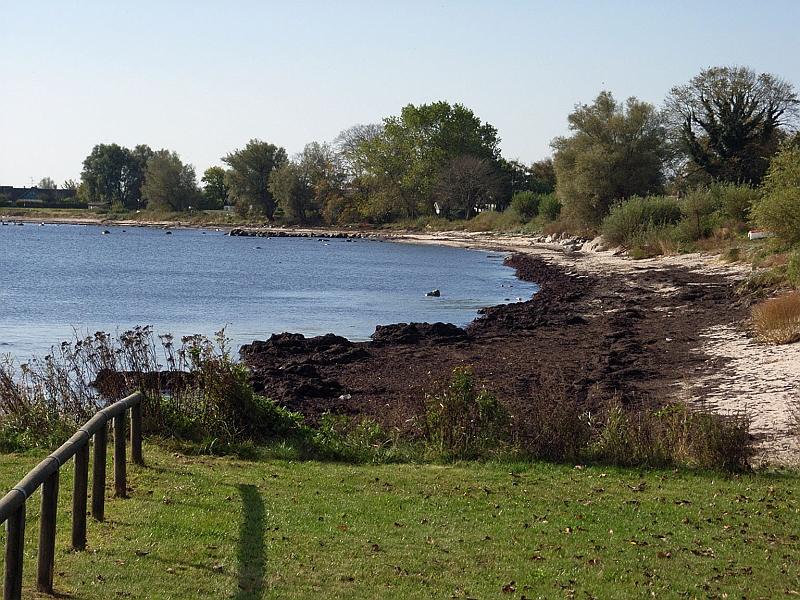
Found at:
[202, 78]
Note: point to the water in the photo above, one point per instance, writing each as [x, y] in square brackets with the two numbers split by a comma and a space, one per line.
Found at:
[57, 281]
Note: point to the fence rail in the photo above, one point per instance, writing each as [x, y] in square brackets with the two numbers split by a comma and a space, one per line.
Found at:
[46, 475]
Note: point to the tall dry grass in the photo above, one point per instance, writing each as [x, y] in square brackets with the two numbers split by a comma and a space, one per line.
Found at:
[777, 320]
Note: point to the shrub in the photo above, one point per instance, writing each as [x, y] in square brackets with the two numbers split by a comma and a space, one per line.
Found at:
[778, 210]
[674, 435]
[208, 399]
[697, 208]
[492, 220]
[464, 422]
[549, 207]
[552, 426]
[526, 204]
[641, 222]
[778, 320]
[734, 201]
[340, 437]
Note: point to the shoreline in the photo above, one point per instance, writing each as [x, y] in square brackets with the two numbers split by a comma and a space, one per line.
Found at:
[739, 373]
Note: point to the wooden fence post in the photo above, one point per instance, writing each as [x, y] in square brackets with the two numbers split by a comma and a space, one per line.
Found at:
[136, 434]
[120, 485]
[47, 534]
[99, 474]
[80, 481]
[15, 546]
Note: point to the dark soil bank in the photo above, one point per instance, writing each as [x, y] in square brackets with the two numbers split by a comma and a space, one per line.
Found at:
[586, 336]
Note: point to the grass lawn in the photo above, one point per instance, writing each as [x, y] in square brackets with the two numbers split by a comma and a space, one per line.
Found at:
[206, 527]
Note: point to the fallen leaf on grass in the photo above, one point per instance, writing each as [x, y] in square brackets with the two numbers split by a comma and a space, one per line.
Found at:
[510, 587]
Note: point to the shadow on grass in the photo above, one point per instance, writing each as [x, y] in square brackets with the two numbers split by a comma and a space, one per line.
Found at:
[251, 544]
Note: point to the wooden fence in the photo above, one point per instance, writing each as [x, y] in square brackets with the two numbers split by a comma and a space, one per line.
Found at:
[45, 474]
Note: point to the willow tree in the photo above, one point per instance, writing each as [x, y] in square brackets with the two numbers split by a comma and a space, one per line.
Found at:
[615, 151]
[249, 172]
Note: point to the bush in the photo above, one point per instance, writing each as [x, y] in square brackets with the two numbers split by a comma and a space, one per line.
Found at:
[674, 435]
[778, 320]
[778, 211]
[640, 223]
[526, 204]
[463, 422]
[549, 207]
[553, 426]
[209, 400]
[734, 201]
[340, 437]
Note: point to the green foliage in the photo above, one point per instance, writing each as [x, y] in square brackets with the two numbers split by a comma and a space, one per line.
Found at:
[112, 174]
[616, 151]
[400, 163]
[697, 222]
[550, 207]
[674, 435]
[734, 201]
[778, 211]
[729, 121]
[215, 190]
[344, 438]
[526, 204]
[292, 193]
[631, 222]
[169, 185]
[464, 422]
[209, 402]
[249, 172]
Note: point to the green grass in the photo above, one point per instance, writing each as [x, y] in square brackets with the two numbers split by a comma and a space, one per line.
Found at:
[197, 527]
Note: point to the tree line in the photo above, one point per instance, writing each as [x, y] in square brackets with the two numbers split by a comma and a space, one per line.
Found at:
[724, 126]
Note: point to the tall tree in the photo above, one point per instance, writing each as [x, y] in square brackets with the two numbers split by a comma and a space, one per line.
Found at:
[248, 176]
[466, 182]
[615, 151]
[728, 122]
[169, 185]
[114, 174]
[215, 190]
[293, 192]
[403, 162]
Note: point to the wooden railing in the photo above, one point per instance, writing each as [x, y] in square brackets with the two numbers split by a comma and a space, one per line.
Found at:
[45, 474]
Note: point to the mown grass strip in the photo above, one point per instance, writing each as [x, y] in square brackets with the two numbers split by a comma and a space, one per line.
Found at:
[218, 527]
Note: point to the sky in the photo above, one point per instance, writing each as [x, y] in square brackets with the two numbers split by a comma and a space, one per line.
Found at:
[202, 78]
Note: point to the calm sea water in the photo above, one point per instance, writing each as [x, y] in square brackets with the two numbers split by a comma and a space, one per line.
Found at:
[57, 281]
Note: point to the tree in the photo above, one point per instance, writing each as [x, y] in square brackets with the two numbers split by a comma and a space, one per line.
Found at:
[169, 185]
[728, 121]
[47, 183]
[466, 183]
[215, 190]
[779, 208]
[114, 174]
[293, 192]
[615, 152]
[248, 176]
[403, 162]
